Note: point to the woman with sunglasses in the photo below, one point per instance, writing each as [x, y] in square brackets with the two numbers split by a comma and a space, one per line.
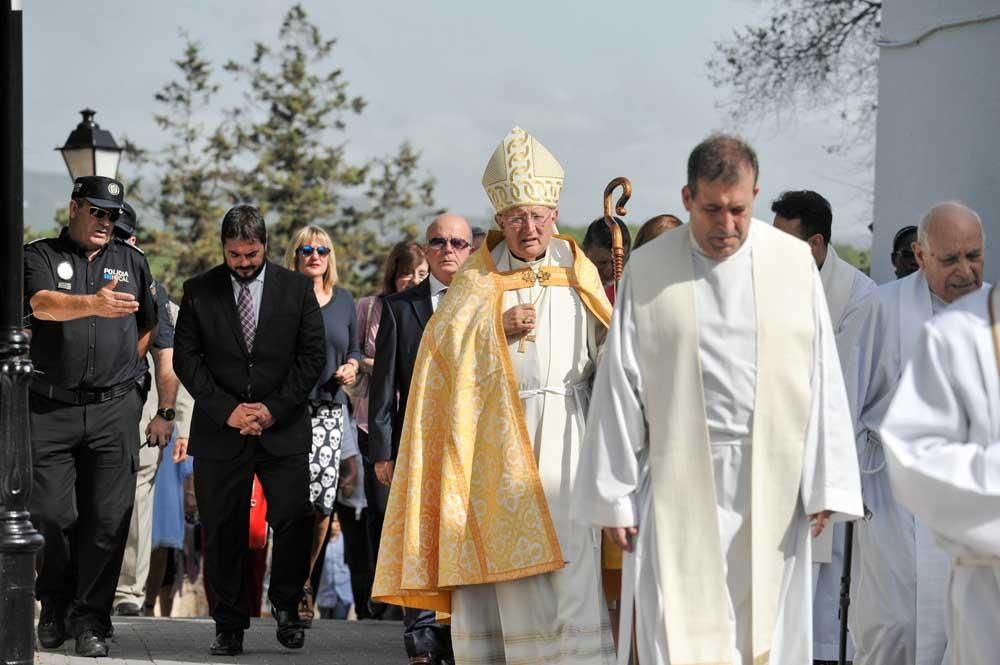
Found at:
[334, 453]
[404, 267]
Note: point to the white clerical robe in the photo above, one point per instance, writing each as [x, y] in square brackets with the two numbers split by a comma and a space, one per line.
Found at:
[942, 447]
[898, 581]
[847, 290]
[558, 617]
[614, 488]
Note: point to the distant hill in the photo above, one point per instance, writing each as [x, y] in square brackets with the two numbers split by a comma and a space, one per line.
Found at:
[44, 194]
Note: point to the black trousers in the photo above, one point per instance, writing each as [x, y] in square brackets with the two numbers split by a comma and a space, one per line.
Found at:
[423, 635]
[84, 462]
[222, 488]
[357, 557]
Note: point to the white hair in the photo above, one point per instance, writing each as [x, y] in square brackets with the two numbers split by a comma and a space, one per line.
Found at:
[923, 228]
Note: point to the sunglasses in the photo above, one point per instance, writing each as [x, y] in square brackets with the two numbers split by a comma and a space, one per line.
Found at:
[458, 244]
[307, 250]
[101, 213]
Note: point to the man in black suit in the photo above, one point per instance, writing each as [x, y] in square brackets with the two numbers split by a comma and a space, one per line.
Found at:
[404, 315]
[249, 346]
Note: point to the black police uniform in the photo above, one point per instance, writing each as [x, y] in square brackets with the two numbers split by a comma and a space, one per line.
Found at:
[85, 407]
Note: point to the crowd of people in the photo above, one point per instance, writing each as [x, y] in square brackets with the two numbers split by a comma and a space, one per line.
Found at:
[520, 457]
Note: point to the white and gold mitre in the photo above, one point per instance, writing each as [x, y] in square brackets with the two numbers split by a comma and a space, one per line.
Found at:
[522, 172]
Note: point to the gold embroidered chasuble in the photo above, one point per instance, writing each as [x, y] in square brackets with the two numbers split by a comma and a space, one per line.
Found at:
[691, 563]
[466, 504]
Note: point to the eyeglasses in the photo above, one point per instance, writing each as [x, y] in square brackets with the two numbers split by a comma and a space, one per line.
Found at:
[458, 244]
[101, 213]
[537, 219]
[307, 250]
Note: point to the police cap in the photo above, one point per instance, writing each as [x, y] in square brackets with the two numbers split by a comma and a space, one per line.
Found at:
[102, 192]
[127, 222]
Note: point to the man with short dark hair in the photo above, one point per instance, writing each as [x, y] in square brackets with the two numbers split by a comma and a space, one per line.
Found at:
[807, 215]
[719, 434]
[93, 313]
[167, 404]
[249, 347]
[904, 261]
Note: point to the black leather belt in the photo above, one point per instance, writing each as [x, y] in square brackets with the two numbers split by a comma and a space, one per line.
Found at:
[82, 396]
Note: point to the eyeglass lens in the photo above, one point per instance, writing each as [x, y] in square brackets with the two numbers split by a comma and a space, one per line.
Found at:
[457, 244]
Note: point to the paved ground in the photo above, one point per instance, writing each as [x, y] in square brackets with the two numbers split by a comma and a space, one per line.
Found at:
[139, 641]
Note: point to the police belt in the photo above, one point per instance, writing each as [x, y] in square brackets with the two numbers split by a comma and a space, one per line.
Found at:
[84, 395]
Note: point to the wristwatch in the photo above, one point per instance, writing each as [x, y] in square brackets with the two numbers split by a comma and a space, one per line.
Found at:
[166, 414]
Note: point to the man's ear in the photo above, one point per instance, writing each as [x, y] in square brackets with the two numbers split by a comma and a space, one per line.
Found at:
[816, 241]
[687, 197]
[919, 254]
[555, 215]
[496, 220]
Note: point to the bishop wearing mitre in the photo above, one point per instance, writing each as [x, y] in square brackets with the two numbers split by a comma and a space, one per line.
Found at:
[479, 517]
[719, 435]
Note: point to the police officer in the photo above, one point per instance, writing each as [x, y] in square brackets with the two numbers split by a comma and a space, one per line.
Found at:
[156, 427]
[92, 313]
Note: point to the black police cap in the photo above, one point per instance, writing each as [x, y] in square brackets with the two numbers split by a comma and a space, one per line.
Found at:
[127, 222]
[102, 192]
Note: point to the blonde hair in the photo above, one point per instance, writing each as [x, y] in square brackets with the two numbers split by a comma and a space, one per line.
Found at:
[303, 237]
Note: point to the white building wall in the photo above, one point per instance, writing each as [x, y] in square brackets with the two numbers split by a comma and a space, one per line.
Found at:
[938, 131]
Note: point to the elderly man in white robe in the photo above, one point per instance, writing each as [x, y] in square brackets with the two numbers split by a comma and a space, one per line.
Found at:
[898, 582]
[942, 448]
[719, 430]
[479, 516]
[807, 215]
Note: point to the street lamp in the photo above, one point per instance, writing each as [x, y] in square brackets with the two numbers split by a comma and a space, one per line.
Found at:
[18, 539]
[90, 150]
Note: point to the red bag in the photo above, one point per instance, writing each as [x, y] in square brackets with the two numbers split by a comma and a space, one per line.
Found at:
[258, 516]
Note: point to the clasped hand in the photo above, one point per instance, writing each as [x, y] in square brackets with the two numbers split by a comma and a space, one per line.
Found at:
[519, 320]
[251, 419]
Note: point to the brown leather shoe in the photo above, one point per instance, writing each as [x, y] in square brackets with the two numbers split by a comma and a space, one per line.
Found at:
[426, 659]
[307, 609]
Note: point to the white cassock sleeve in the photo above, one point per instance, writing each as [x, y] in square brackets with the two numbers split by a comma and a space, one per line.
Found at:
[830, 477]
[950, 482]
[611, 464]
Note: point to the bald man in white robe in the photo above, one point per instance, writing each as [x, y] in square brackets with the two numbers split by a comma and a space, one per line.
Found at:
[898, 581]
[942, 447]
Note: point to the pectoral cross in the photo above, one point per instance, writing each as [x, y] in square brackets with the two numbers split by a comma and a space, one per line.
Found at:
[532, 278]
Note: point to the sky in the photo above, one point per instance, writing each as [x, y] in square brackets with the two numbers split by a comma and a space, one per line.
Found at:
[609, 90]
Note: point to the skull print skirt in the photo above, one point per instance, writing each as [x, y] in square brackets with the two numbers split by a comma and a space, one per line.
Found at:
[332, 434]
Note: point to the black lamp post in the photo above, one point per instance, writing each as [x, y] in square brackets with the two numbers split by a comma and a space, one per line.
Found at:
[90, 150]
[18, 539]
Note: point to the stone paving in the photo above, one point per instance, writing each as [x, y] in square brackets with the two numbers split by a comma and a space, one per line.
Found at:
[141, 641]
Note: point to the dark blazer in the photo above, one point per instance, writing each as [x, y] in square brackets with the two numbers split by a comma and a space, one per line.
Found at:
[211, 360]
[404, 316]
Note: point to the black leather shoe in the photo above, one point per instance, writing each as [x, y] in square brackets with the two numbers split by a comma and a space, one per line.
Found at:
[51, 628]
[228, 643]
[290, 633]
[91, 645]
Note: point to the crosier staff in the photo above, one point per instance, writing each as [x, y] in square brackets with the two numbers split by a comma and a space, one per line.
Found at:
[617, 241]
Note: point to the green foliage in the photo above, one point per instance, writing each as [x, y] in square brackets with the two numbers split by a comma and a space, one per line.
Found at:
[282, 150]
[859, 258]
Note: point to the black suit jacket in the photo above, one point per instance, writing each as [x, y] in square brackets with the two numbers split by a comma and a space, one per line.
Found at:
[404, 316]
[212, 361]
